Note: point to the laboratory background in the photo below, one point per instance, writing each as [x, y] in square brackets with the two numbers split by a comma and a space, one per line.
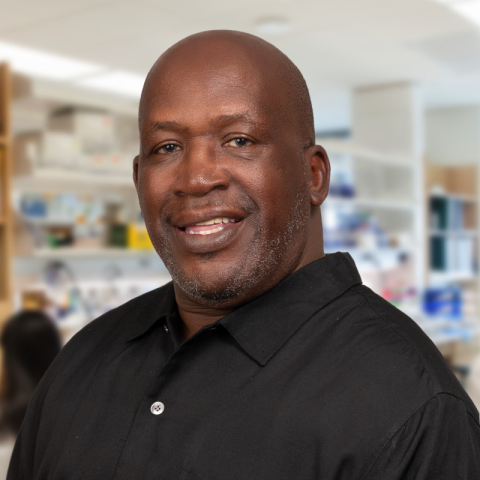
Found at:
[395, 86]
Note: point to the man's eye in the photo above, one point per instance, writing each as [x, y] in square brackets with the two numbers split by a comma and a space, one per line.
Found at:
[169, 148]
[239, 142]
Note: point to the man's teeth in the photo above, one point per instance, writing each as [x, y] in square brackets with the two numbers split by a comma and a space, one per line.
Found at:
[216, 220]
[206, 232]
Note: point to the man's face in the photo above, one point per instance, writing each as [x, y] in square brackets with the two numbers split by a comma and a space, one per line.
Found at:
[222, 181]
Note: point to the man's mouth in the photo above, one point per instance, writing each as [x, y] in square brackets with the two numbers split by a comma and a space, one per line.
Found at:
[208, 227]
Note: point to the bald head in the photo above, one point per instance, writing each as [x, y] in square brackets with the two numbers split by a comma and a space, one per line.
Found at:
[250, 61]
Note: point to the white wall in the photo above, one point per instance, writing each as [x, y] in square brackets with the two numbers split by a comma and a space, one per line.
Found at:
[389, 118]
[453, 135]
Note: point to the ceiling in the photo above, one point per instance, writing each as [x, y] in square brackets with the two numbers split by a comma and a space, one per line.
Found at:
[337, 44]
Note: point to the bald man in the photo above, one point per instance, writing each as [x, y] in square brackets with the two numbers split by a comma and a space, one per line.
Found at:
[264, 359]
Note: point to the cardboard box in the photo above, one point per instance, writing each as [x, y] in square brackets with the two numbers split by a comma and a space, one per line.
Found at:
[94, 130]
[45, 149]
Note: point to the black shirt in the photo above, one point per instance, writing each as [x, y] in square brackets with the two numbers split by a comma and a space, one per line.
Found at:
[319, 378]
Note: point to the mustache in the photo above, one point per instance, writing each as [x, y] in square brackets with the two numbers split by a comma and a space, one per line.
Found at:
[246, 205]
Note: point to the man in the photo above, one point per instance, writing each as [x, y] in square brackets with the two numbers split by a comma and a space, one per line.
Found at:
[264, 359]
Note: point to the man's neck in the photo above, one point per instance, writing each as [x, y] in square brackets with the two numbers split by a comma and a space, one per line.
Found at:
[195, 316]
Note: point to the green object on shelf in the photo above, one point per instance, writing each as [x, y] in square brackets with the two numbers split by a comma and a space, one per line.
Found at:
[438, 209]
[118, 236]
[438, 260]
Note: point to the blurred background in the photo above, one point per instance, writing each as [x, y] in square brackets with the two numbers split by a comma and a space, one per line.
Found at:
[395, 86]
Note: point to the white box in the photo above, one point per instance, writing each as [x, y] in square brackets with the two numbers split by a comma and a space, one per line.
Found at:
[94, 131]
[45, 149]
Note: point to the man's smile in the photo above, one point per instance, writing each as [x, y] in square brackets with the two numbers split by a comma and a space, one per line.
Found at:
[207, 230]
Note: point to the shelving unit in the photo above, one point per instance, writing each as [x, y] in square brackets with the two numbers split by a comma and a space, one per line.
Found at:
[93, 265]
[453, 239]
[6, 222]
[78, 153]
[375, 211]
[108, 252]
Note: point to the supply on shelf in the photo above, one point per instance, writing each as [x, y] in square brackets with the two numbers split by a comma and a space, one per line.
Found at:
[79, 221]
[79, 140]
[452, 215]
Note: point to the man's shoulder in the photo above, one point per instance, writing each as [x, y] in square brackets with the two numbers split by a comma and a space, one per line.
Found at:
[111, 330]
[103, 336]
[118, 322]
[397, 345]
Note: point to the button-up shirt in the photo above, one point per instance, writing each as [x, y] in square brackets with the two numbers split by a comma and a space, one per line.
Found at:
[319, 378]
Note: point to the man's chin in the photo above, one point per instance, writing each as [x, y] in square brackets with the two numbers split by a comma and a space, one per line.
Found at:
[229, 290]
[219, 294]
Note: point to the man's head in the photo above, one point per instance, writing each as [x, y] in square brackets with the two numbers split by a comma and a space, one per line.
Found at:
[227, 135]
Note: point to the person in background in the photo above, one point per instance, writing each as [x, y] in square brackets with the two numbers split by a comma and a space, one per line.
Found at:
[30, 342]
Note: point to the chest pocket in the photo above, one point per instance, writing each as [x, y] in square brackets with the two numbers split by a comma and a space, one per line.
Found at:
[188, 476]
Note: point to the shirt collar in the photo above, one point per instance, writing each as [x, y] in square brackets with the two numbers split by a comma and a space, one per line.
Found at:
[262, 326]
[156, 306]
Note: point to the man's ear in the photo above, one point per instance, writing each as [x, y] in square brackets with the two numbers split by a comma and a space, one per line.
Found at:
[319, 165]
[135, 180]
[135, 172]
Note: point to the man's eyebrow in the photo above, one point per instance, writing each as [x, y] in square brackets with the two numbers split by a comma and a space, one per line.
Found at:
[167, 125]
[223, 120]
[237, 117]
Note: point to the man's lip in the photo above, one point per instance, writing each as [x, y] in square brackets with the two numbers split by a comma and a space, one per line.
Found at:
[209, 243]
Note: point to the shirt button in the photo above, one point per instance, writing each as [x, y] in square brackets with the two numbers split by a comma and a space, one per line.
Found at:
[157, 408]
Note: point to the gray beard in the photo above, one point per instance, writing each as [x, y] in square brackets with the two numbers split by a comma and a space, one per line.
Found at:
[263, 258]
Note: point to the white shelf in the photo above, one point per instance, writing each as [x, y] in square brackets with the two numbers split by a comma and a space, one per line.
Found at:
[72, 252]
[67, 222]
[358, 251]
[437, 329]
[371, 203]
[455, 196]
[63, 178]
[446, 233]
[361, 153]
[446, 277]
[41, 95]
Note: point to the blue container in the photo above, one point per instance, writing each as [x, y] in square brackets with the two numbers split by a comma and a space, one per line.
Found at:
[443, 302]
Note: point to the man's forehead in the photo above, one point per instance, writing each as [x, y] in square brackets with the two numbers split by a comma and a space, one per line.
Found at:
[206, 76]
[222, 93]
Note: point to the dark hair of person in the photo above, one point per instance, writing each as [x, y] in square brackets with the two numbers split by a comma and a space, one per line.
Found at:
[30, 342]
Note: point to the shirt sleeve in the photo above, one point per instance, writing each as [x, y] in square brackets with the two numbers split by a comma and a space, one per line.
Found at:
[15, 467]
[441, 441]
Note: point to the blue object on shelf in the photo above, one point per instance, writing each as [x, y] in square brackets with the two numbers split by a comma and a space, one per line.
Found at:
[443, 302]
[33, 206]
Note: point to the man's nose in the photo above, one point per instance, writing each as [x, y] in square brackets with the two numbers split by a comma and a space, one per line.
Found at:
[201, 170]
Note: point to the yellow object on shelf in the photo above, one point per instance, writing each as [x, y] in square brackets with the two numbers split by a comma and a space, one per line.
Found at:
[137, 237]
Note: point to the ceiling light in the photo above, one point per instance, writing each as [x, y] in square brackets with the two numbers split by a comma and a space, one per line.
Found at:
[47, 65]
[470, 10]
[273, 26]
[119, 82]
